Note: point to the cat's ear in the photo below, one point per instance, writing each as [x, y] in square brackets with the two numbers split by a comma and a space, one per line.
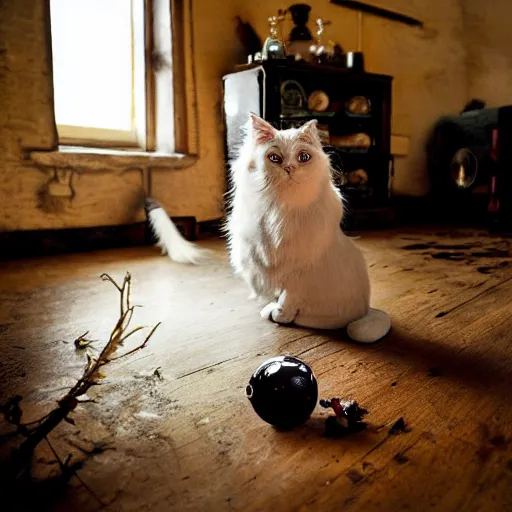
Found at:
[261, 130]
[309, 131]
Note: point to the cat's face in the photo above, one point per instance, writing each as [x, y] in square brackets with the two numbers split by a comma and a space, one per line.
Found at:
[291, 163]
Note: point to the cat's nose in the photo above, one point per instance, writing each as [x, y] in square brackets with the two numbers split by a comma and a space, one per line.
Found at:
[288, 169]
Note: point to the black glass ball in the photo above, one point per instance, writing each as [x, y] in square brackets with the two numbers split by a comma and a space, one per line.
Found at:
[283, 392]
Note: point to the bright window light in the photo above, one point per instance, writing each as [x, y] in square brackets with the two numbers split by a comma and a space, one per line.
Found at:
[95, 67]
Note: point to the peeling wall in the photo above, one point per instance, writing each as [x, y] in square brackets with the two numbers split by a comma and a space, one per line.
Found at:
[429, 69]
[488, 40]
[26, 122]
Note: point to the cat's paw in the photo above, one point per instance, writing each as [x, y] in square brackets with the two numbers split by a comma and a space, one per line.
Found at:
[267, 311]
[276, 313]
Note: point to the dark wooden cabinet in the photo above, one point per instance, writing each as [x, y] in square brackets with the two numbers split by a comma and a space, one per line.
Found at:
[353, 110]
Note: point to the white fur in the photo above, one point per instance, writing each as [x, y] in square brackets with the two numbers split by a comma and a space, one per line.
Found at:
[370, 327]
[285, 238]
[171, 241]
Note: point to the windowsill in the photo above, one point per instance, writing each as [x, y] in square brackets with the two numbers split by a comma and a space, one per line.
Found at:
[95, 159]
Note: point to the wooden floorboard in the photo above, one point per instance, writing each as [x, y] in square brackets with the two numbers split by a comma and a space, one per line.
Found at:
[192, 442]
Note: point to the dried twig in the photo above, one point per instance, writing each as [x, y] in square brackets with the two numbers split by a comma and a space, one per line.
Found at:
[38, 430]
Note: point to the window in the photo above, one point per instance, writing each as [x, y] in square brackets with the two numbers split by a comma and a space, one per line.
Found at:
[112, 73]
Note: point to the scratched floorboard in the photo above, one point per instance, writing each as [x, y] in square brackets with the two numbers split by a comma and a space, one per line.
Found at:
[192, 442]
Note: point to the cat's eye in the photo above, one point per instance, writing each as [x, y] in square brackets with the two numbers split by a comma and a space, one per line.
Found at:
[274, 157]
[304, 157]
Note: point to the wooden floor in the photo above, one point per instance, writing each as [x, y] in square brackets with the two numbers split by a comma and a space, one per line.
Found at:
[191, 441]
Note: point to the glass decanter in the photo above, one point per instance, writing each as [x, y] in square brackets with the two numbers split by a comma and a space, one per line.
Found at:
[273, 47]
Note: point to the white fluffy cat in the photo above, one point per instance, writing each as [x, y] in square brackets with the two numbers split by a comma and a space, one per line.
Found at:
[285, 238]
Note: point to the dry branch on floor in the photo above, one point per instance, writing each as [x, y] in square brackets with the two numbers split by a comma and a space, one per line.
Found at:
[17, 465]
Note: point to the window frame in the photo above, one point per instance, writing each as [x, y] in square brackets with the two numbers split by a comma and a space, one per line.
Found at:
[166, 127]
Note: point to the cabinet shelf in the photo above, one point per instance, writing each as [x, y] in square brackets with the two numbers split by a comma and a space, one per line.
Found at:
[302, 115]
[257, 89]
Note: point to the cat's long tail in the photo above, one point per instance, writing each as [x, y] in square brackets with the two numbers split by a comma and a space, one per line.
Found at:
[371, 327]
[169, 239]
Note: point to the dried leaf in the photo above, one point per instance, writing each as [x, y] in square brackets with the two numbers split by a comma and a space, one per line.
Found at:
[91, 362]
[82, 342]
